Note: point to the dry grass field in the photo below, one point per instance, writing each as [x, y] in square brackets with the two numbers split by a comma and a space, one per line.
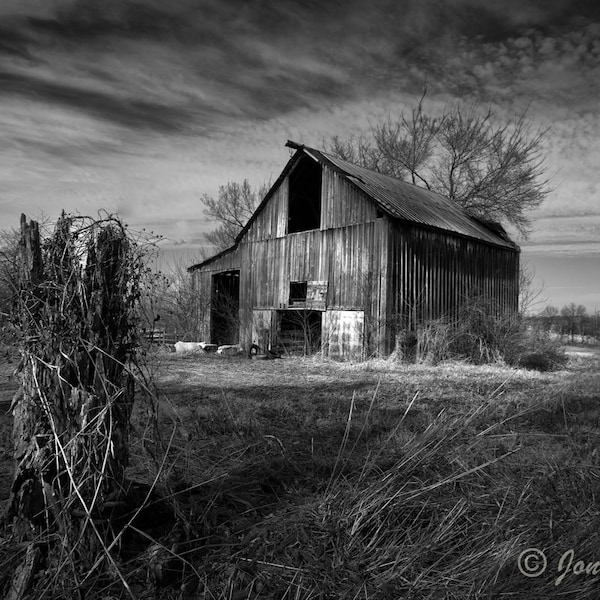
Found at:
[304, 478]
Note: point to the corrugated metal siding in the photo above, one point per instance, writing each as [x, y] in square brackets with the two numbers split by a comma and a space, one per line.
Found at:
[433, 274]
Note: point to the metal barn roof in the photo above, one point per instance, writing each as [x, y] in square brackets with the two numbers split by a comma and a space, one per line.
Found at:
[412, 203]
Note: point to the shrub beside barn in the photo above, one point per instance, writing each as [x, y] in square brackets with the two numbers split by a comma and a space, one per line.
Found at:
[344, 260]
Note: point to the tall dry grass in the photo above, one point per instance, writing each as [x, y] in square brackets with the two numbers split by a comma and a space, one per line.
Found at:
[481, 335]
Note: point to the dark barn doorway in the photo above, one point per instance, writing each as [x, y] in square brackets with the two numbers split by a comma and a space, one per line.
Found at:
[225, 308]
[299, 331]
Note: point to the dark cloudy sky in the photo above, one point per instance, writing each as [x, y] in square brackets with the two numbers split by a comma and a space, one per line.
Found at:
[142, 106]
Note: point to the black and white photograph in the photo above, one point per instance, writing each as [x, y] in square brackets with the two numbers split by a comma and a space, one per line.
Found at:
[299, 300]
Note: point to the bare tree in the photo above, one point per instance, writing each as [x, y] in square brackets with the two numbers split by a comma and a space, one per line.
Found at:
[408, 144]
[181, 306]
[360, 150]
[548, 316]
[573, 315]
[494, 169]
[530, 293]
[231, 209]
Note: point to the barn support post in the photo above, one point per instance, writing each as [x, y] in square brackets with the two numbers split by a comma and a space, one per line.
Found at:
[71, 415]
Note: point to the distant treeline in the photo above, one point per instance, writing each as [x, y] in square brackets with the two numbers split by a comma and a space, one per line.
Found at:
[572, 322]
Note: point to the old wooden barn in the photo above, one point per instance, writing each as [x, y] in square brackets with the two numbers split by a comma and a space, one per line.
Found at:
[340, 259]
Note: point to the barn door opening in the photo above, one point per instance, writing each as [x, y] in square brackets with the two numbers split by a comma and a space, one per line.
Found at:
[225, 308]
[299, 331]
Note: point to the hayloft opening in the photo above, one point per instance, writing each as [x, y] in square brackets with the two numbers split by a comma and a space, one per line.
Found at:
[304, 209]
[225, 308]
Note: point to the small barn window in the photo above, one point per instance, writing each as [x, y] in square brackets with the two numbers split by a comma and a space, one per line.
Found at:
[298, 291]
[304, 209]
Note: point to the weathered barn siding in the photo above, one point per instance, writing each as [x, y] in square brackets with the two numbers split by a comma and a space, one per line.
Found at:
[432, 274]
[271, 222]
[374, 273]
[344, 204]
[229, 260]
[352, 260]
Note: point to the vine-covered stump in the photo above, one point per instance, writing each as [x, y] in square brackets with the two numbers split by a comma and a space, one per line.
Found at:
[76, 312]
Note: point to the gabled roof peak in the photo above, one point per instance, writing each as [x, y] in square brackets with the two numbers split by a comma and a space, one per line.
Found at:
[294, 145]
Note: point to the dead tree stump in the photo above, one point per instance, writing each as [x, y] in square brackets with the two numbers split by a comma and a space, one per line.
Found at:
[76, 312]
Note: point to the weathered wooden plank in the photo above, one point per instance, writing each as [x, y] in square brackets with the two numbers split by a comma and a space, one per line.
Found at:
[343, 334]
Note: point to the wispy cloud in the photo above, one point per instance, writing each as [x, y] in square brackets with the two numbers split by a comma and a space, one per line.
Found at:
[149, 62]
[125, 111]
